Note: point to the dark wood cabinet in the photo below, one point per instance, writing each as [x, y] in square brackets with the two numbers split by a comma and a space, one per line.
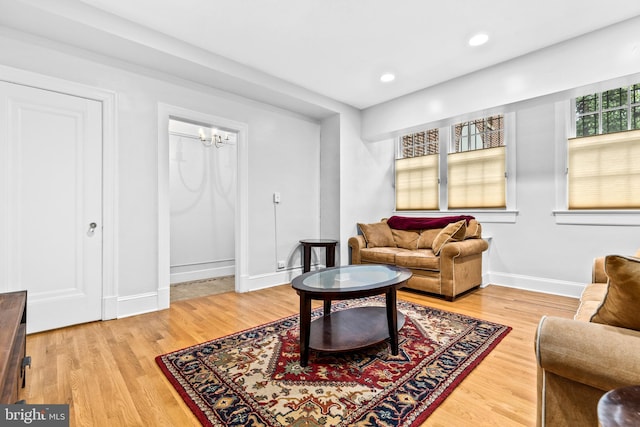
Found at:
[13, 345]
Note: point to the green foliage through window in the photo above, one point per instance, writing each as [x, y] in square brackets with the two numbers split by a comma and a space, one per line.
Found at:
[614, 110]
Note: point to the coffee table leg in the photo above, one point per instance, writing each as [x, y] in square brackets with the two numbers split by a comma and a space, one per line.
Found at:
[305, 326]
[327, 308]
[392, 320]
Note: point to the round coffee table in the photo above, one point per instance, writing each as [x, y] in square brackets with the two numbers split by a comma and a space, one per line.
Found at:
[353, 328]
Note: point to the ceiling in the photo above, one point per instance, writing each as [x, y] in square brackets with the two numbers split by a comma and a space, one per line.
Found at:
[339, 48]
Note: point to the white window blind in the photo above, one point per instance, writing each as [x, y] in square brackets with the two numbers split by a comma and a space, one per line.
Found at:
[417, 183]
[476, 179]
[604, 171]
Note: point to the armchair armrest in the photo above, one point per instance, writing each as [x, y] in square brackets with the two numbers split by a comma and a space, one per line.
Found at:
[356, 243]
[601, 356]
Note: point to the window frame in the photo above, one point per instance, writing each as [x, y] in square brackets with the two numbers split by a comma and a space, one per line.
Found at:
[566, 128]
[506, 215]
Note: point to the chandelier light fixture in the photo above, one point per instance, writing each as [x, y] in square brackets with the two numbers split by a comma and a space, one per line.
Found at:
[215, 139]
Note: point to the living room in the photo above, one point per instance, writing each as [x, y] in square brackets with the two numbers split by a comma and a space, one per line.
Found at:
[332, 163]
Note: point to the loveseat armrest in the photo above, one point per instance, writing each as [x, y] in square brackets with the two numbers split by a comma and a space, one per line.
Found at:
[464, 248]
[597, 272]
[600, 356]
[356, 243]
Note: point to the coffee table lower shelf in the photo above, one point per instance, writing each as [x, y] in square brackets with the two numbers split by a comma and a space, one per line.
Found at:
[351, 329]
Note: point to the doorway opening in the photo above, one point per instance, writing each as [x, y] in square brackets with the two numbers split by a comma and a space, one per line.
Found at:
[202, 188]
[200, 142]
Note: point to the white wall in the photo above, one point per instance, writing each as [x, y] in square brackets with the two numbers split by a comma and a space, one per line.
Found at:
[202, 182]
[283, 155]
[366, 180]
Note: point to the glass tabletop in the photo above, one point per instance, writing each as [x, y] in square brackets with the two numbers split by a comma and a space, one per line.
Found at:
[353, 277]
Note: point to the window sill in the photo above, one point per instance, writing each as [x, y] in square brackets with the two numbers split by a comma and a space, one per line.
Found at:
[598, 217]
[484, 216]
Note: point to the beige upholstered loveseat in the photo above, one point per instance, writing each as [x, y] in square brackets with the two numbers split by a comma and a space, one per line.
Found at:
[580, 359]
[444, 254]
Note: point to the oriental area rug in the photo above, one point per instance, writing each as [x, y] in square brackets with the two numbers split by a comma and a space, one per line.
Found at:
[253, 377]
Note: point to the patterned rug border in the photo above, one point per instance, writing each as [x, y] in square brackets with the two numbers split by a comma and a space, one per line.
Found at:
[465, 369]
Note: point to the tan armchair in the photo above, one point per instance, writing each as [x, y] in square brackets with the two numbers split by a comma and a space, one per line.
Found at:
[580, 359]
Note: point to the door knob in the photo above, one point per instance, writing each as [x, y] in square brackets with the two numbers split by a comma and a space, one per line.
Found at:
[92, 228]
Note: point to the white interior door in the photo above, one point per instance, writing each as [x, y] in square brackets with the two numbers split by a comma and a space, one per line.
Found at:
[51, 204]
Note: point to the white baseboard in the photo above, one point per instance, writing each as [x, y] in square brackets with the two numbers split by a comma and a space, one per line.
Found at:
[207, 273]
[536, 284]
[164, 298]
[138, 304]
[263, 281]
[109, 308]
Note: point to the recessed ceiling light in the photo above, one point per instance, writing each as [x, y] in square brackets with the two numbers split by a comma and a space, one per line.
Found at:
[387, 77]
[478, 39]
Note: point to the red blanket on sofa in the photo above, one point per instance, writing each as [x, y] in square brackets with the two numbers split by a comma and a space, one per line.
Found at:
[418, 223]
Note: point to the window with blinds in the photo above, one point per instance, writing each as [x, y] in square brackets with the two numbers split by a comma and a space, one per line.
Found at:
[477, 164]
[604, 171]
[476, 179]
[417, 168]
[604, 158]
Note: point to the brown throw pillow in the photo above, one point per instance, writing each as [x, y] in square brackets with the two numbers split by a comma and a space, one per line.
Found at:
[474, 230]
[407, 239]
[377, 234]
[621, 304]
[453, 232]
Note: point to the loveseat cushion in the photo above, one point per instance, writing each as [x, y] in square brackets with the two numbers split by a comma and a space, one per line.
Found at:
[407, 239]
[385, 255]
[377, 234]
[621, 302]
[427, 237]
[420, 258]
[451, 233]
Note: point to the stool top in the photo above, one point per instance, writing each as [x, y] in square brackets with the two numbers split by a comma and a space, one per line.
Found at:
[320, 242]
[620, 407]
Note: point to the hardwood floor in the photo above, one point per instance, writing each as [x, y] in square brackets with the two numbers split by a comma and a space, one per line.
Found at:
[106, 370]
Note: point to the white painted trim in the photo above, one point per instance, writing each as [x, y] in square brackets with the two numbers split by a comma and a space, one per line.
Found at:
[163, 296]
[109, 307]
[109, 102]
[511, 146]
[598, 217]
[269, 280]
[536, 284]
[166, 112]
[561, 134]
[133, 305]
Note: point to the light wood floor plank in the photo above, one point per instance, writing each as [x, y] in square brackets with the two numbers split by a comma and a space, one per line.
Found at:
[107, 374]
